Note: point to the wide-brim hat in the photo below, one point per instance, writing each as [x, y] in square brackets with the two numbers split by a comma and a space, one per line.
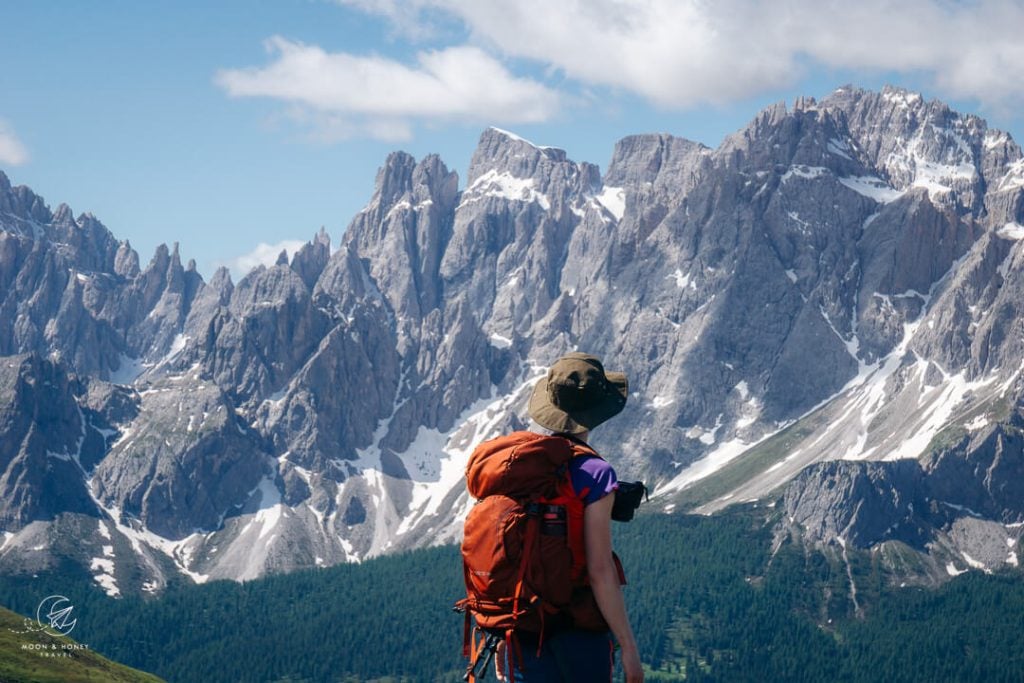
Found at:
[578, 395]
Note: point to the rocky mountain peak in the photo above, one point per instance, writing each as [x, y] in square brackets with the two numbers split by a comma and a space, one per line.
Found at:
[311, 259]
[405, 230]
[759, 127]
[221, 282]
[403, 182]
[915, 143]
[500, 151]
[805, 103]
[431, 180]
[660, 168]
[393, 179]
[19, 202]
[161, 259]
[126, 261]
[322, 238]
[64, 215]
[639, 159]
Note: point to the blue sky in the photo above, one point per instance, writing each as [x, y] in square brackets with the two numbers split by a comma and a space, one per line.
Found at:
[227, 125]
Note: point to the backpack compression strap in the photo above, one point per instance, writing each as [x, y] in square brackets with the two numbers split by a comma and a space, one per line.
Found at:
[572, 499]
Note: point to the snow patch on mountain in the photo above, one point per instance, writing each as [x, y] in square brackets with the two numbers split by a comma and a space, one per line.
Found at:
[500, 342]
[941, 403]
[660, 401]
[1014, 177]
[805, 172]
[682, 280]
[613, 199]
[504, 185]
[903, 100]
[128, 370]
[104, 566]
[140, 538]
[839, 148]
[1011, 231]
[270, 510]
[512, 136]
[708, 465]
[872, 187]
[441, 458]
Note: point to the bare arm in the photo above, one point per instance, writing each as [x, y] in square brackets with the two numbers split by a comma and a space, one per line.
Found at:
[604, 580]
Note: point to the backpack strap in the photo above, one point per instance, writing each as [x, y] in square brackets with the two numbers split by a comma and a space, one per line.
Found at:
[530, 540]
[574, 507]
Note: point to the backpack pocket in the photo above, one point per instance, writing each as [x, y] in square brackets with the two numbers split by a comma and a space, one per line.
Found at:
[492, 549]
[551, 573]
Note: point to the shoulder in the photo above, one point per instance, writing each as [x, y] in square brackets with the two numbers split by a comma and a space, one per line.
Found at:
[592, 478]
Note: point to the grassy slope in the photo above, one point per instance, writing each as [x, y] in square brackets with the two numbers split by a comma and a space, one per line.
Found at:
[18, 664]
[754, 462]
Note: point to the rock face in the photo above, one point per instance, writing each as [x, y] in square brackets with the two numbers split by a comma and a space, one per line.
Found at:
[41, 429]
[961, 506]
[863, 503]
[839, 281]
[186, 462]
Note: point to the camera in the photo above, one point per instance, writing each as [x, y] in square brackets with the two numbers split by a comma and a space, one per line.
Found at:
[628, 499]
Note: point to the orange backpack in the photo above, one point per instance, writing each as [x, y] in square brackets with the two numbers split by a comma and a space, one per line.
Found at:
[523, 552]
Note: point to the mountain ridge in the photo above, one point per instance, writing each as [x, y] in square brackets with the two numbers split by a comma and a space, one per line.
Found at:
[847, 270]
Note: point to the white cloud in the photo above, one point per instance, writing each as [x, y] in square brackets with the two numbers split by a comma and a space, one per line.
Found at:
[12, 151]
[262, 255]
[682, 53]
[340, 95]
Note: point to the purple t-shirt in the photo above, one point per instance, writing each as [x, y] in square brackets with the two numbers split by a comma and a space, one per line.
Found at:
[593, 474]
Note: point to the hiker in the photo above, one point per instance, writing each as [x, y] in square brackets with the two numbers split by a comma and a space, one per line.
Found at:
[548, 622]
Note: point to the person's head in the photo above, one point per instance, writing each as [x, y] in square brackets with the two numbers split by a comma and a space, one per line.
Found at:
[578, 395]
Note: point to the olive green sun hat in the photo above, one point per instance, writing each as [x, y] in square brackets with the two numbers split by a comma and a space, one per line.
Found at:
[577, 395]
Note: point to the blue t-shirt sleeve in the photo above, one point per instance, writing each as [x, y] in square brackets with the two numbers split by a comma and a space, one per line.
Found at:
[592, 477]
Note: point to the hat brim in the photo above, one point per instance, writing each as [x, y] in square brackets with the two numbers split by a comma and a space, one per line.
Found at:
[548, 415]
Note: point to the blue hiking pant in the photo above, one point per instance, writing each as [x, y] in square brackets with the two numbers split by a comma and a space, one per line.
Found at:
[565, 657]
